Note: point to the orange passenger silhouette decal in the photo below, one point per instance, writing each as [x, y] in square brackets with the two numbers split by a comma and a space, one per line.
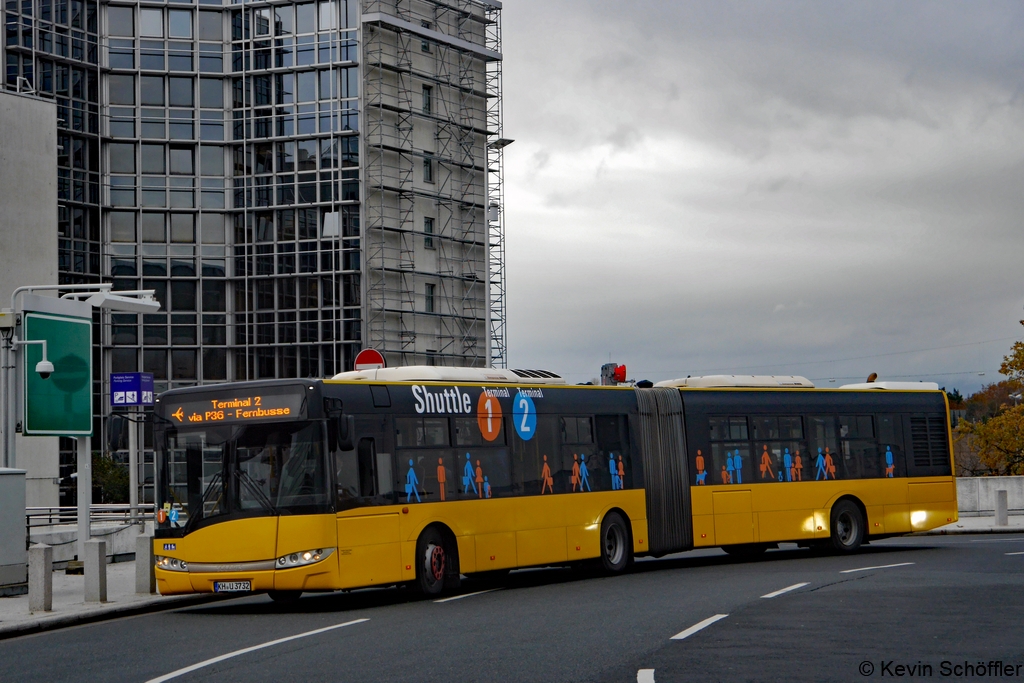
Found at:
[546, 479]
[575, 471]
[798, 467]
[479, 480]
[830, 467]
[766, 465]
[701, 472]
[441, 478]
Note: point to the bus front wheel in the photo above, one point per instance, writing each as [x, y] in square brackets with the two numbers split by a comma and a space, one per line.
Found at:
[847, 530]
[436, 564]
[615, 543]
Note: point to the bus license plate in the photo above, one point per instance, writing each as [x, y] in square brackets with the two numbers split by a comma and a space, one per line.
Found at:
[232, 586]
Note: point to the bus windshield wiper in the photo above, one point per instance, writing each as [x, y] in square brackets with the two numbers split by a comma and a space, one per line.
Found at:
[255, 490]
[195, 516]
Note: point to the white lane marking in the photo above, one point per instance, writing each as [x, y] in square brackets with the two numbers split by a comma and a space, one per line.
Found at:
[236, 653]
[787, 589]
[467, 595]
[645, 676]
[697, 627]
[995, 540]
[1020, 553]
[883, 566]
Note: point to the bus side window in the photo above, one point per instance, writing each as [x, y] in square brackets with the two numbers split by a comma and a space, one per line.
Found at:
[860, 452]
[890, 445]
[367, 461]
[613, 447]
[820, 462]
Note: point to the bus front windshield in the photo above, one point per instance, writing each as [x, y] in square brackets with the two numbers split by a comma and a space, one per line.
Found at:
[220, 473]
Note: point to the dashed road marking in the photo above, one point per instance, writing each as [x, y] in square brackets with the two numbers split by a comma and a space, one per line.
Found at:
[1020, 553]
[645, 676]
[467, 595]
[698, 626]
[236, 653]
[882, 566]
[786, 589]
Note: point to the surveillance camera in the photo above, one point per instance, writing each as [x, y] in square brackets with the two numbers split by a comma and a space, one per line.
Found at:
[44, 368]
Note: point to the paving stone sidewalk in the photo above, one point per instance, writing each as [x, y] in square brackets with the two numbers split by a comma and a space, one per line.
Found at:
[69, 606]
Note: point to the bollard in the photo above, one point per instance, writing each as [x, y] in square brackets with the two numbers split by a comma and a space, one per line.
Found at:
[1002, 518]
[145, 574]
[40, 578]
[95, 571]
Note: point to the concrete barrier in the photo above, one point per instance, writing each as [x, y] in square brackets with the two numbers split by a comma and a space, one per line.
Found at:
[976, 496]
[40, 578]
[95, 571]
[1002, 512]
[120, 539]
[145, 570]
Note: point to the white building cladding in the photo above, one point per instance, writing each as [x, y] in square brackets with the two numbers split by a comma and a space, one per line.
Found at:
[296, 180]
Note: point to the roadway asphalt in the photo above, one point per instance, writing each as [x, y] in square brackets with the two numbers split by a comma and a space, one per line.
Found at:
[948, 599]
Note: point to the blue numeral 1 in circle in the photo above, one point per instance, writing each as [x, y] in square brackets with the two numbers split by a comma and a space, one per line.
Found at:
[524, 416]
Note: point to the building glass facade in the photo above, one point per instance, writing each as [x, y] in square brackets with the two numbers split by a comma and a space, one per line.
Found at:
[216, 153]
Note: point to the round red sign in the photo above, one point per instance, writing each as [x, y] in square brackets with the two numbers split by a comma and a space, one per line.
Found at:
[369, 359]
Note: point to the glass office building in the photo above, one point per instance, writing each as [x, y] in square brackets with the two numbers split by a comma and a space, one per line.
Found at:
[295, 180]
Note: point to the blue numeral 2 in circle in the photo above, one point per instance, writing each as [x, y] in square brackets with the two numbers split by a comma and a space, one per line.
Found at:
[524, 416]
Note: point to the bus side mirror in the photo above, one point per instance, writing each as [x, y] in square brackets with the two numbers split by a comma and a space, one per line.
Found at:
[346, 432]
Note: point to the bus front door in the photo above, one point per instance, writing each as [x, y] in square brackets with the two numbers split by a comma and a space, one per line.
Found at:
[369, 551]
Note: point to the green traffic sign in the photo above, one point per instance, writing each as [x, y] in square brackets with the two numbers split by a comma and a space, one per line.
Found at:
[60, 405]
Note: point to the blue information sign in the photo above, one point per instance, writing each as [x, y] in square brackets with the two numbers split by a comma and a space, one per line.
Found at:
[131, 389]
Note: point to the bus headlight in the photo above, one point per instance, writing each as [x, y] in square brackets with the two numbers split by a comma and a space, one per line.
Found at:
[301, 559]
[171, 564]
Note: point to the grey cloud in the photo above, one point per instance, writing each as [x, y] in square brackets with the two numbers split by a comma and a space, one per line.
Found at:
[708, 185]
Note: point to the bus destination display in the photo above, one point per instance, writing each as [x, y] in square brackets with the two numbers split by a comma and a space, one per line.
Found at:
[229, 410]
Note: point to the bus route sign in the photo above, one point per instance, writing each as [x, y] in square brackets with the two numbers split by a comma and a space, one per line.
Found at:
[238, 409]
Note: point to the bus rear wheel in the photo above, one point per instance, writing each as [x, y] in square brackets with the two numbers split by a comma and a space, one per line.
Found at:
[847, 527]
[437, 564]
[616, 552]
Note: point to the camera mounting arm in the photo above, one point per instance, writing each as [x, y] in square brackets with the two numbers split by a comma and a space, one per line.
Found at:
[43, 367]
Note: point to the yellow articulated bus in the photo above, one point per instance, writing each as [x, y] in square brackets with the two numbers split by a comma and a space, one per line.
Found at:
[420, 475]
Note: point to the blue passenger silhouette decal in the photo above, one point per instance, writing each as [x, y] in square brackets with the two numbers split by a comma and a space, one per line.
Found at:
[819, 465]
[584, 479]
[468, 475]
[737, 462]
[890, 468]
[412, 483]
[729, 469]
[787, 463]
[487, 487]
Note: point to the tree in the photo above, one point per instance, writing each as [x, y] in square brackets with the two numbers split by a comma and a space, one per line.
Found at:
[956, 400]
[1013, 364]
[998, 441]
[990, 440]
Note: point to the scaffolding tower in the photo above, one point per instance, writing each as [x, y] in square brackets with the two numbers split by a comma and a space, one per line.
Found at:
[428, 239]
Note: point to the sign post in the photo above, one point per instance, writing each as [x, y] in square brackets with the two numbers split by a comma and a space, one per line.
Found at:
[132, 390]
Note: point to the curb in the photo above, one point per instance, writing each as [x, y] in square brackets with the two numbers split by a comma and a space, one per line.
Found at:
[49, 623]
[965, 531]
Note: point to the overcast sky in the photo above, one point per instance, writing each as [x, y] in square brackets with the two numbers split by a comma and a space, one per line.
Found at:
[814, 188]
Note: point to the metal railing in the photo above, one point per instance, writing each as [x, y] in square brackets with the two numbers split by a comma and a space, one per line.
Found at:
[45, 516]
